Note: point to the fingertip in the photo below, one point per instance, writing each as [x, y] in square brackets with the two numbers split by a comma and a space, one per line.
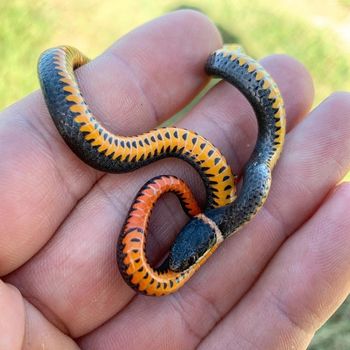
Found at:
[295, 82]
[339, 101]
[202, 23]
[202, 36]
[12, 318]
[189, 30]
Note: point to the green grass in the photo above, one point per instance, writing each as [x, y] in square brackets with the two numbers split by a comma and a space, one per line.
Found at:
[24, 27]
[335, 335]
[28, 27]
[345, 3]
[263, 29]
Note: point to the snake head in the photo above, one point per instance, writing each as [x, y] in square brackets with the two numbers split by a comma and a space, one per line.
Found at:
[192, 244]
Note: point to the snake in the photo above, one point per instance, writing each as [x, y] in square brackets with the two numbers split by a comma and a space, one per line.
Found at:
[225, 211]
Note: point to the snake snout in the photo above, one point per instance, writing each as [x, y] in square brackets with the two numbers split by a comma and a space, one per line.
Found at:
[195, 239]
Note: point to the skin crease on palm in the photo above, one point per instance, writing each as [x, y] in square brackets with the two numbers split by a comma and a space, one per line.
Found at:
[269, 287]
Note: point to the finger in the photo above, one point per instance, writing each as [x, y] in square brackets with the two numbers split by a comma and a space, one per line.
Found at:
[136, 84]
[41, 334]
[301, 288]
[12, 318]
[86, 265]
[23, 327]
[314, 160]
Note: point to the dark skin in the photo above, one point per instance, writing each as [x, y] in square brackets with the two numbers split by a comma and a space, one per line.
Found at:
[269, 287]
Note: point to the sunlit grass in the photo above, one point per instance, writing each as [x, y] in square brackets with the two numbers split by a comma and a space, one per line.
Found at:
[336, 334]
[24, 27]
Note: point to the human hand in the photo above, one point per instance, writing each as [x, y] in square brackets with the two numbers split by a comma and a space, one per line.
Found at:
[271, 286]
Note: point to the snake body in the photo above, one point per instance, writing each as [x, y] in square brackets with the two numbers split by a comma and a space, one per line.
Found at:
[262, 92]
[131, 256]
[105, 151]
[224, 213]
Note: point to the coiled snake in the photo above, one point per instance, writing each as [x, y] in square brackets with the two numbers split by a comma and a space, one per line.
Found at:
[224, 213]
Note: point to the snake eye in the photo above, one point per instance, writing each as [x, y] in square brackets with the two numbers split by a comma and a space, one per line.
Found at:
[192, 260]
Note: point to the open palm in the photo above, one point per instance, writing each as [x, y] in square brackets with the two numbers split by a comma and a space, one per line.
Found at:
[269, 287]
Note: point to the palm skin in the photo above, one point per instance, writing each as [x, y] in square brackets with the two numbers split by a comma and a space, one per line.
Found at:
[269, 287]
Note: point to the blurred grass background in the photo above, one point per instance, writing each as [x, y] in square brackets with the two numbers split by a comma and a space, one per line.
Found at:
[317, 34]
